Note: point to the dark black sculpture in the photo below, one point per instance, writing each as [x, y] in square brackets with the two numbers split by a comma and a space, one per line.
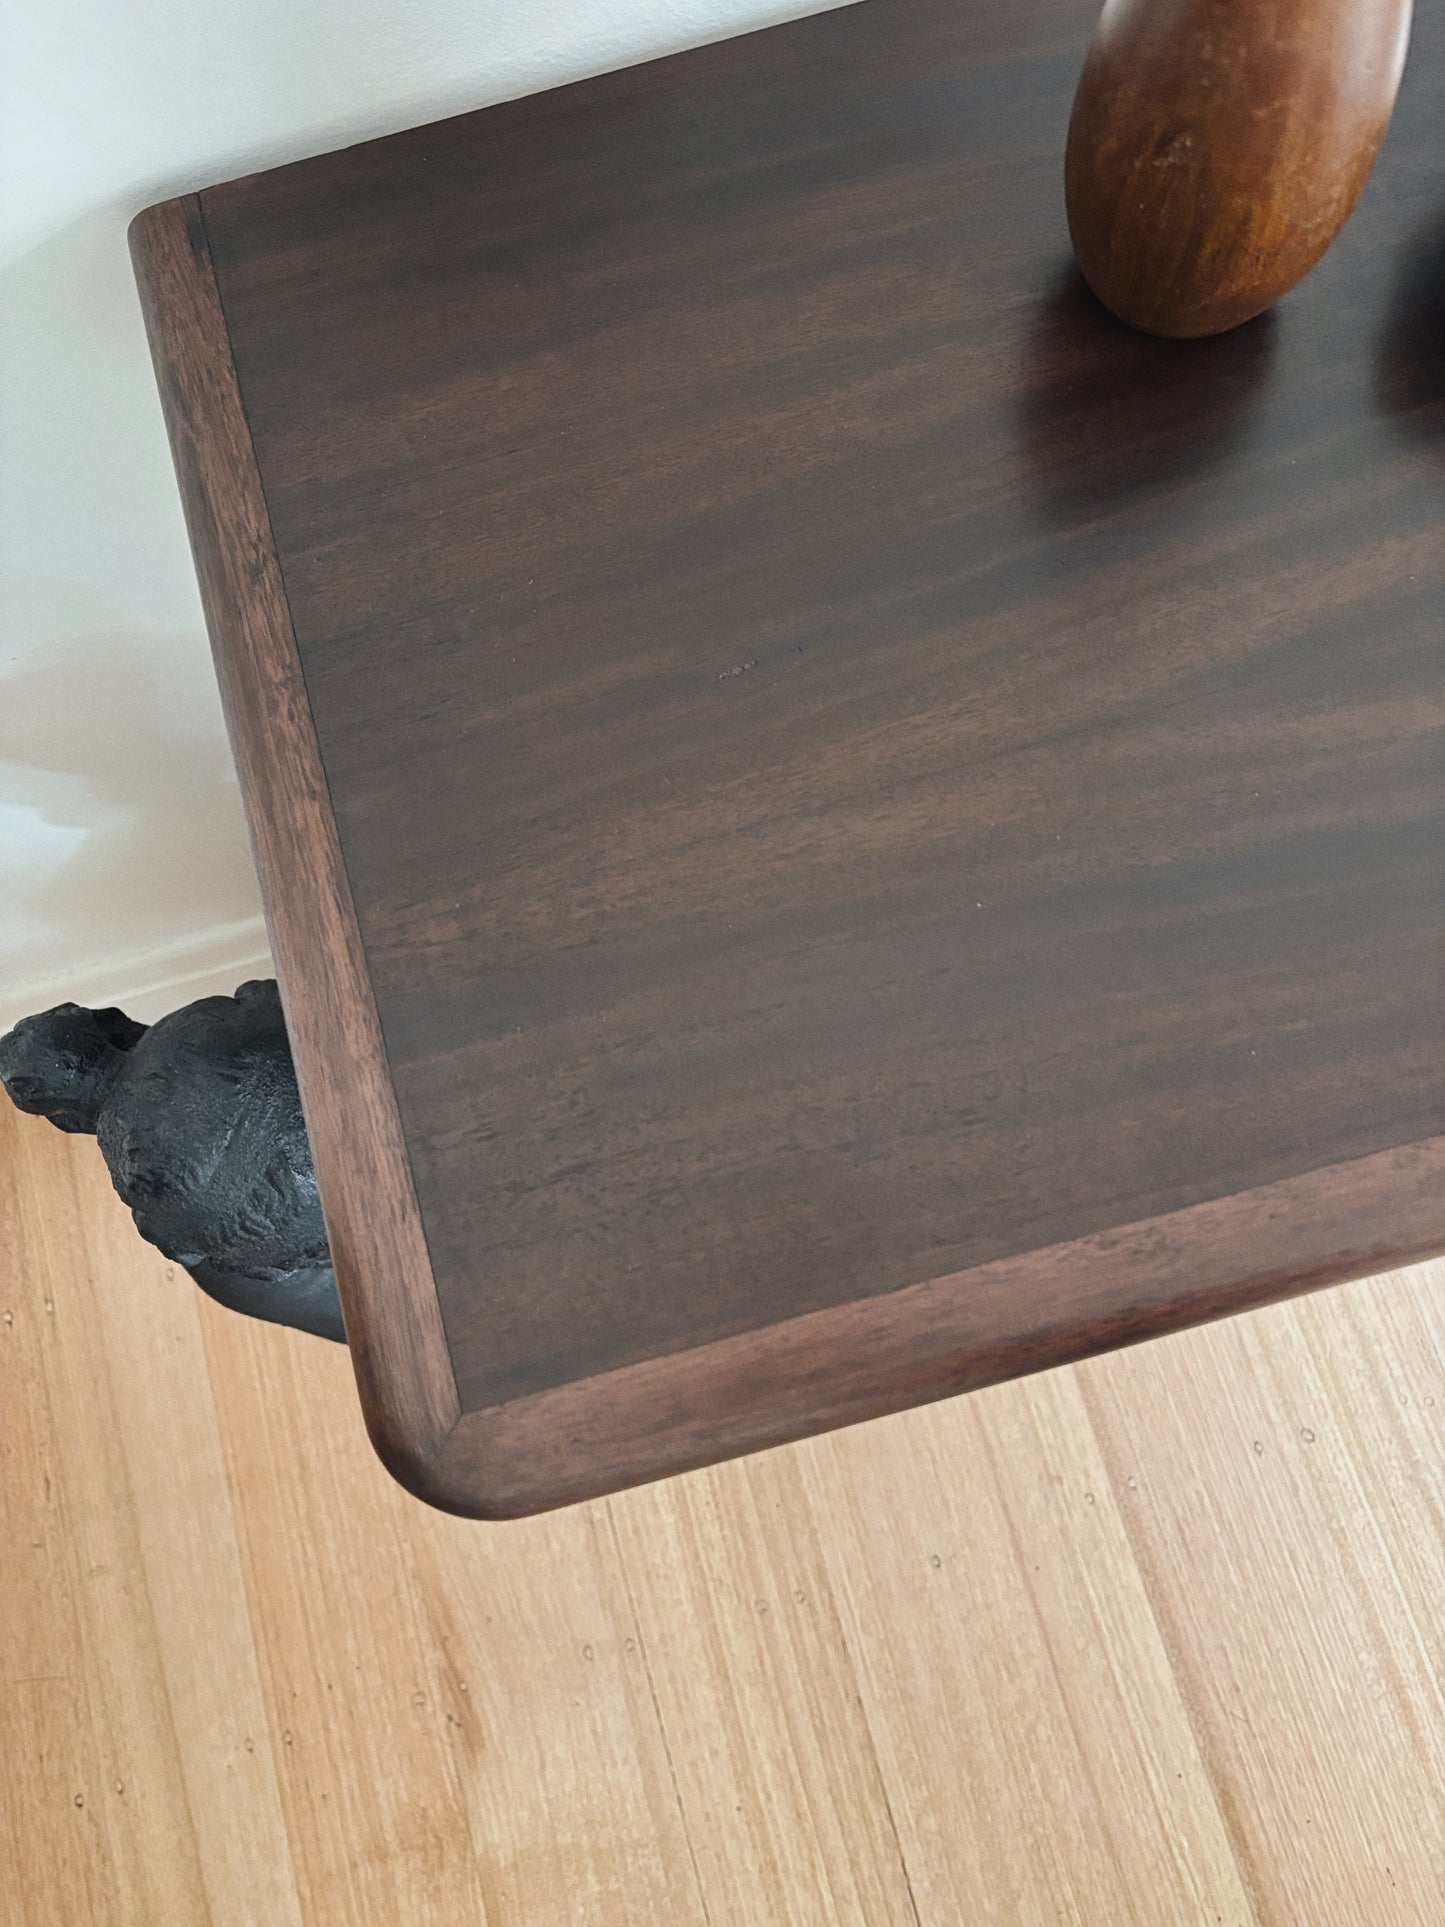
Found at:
[199, 1120]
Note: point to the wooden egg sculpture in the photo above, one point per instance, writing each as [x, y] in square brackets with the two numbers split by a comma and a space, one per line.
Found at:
[1217, 147]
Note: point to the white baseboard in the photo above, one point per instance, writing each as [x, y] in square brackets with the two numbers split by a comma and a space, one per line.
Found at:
[149, 983]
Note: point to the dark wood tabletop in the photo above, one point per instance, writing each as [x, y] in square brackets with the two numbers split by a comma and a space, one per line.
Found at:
[836, 825]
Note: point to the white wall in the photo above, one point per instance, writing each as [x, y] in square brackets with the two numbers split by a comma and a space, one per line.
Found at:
[124, 872]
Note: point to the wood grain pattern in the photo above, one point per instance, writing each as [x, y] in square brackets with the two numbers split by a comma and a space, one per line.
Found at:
[377, 1243]
[1024, 1624]
[949, 1335]
[756, 1684]
[137, 1784]
[1320, 1418]
[1215, 151]
[1151, 1639]
[850, 769]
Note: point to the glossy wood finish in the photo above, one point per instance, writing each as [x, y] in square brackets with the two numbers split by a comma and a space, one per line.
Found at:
[851, 769]
[951, 1335]
[392, 1319]
[1216, 150]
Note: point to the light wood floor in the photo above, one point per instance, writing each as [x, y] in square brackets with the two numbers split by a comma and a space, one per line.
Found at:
[1155, 1640]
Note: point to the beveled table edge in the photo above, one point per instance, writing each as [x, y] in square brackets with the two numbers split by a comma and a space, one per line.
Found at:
[383, 1272]
[805, 1375]
[1001, 1320]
